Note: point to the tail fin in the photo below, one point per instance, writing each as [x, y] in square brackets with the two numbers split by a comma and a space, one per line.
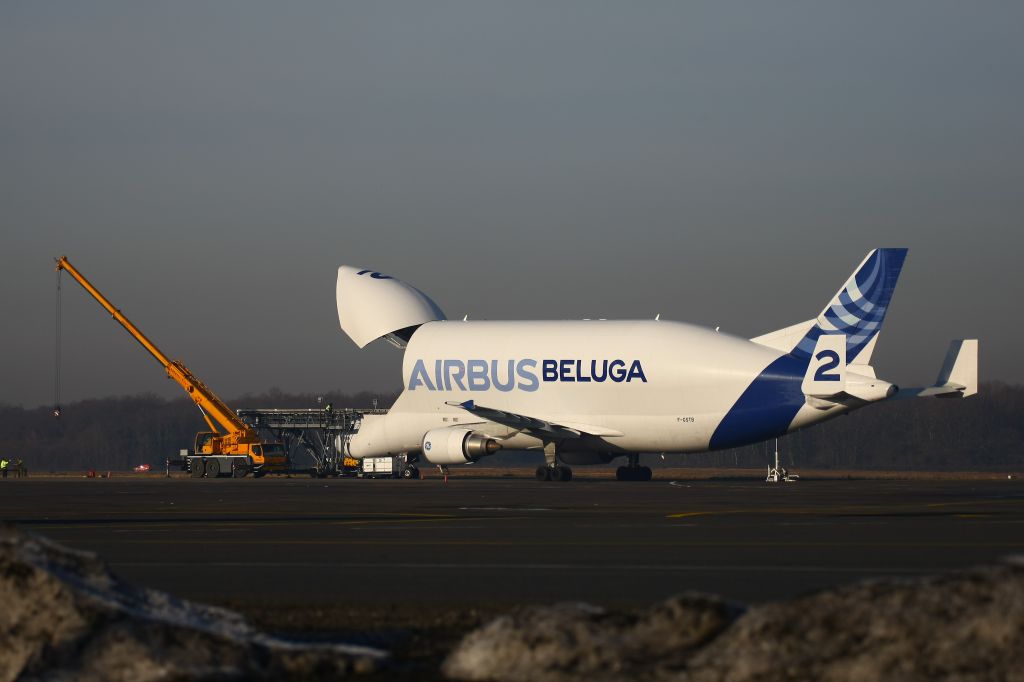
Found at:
[857, 310]
[826, 373]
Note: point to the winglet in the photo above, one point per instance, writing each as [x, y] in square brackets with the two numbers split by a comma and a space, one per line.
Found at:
[960, 370]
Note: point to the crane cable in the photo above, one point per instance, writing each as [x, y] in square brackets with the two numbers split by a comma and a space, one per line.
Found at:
[56, 354]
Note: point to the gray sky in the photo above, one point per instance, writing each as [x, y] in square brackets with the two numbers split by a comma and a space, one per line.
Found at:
[209, 165]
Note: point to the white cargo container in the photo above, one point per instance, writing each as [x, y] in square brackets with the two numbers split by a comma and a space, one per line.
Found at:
[388, 467]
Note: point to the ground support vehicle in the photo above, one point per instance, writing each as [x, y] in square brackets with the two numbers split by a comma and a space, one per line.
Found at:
[396, 466]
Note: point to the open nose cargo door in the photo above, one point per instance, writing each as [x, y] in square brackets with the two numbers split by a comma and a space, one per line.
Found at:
[372, 305]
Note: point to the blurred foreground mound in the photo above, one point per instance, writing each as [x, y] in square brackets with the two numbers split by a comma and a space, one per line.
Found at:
[966, 625]
[63, 615]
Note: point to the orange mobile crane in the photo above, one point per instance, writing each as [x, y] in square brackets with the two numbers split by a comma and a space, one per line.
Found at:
[235, 449]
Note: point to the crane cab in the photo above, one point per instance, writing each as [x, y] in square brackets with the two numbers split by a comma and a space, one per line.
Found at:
[270, 456]
[214, 455]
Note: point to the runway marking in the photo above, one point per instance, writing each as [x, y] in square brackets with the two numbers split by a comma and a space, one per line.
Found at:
[449, 518]
[861, 510]
[141, 530]
[199, 513]
[797, 568]
[990, 500]
[199, 523]
[686, 515]
[346, 541]
[504, 509]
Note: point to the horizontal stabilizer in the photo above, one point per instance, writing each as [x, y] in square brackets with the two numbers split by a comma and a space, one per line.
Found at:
[958, 377]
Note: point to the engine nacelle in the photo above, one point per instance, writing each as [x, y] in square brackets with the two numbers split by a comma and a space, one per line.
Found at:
[457, 446]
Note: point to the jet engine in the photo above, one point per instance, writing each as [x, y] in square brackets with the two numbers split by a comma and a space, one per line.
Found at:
[457, 446]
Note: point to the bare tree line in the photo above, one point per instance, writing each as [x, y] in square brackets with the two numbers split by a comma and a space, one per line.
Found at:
[984, 432]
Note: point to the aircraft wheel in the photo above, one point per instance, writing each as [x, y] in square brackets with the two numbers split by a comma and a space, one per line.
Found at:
[558, 474]
[566, 473]
[411, 473]
[198, 468]
[212, 468]
[543, 473]
[646, 474]
[622, 474]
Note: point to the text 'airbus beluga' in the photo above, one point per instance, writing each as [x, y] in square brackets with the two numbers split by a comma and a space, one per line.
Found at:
[586, 392]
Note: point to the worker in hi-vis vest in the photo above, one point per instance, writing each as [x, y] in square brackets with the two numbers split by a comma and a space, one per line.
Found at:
[4, 463]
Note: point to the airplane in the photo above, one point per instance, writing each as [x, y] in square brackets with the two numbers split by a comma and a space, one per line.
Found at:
[589, 391]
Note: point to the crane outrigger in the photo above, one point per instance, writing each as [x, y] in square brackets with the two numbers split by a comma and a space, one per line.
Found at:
[230, 447]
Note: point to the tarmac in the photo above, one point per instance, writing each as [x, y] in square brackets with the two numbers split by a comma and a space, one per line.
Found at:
[497, 542]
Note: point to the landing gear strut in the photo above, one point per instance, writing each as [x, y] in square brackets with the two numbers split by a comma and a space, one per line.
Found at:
[634, 472]
[551, 470]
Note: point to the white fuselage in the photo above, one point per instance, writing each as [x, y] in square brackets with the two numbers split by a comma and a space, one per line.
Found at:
[641, 386]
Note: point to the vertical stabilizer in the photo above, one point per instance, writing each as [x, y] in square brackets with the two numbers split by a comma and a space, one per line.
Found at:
[826, 373]
[856, 311]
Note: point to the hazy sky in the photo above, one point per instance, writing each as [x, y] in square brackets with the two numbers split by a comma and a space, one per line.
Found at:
[209, 165]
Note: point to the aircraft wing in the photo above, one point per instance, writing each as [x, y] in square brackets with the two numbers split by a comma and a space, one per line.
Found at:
[534, 425]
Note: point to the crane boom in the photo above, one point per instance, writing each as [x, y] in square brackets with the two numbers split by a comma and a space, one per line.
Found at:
[236, 433]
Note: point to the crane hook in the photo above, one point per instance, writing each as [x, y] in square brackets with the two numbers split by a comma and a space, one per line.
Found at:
[56, 356]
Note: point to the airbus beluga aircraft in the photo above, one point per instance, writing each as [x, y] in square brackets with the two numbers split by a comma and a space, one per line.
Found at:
[589, 391]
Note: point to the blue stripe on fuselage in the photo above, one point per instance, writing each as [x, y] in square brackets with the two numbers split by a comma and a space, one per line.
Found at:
[767, 407]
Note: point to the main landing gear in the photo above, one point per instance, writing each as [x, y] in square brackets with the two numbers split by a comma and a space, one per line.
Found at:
[634, 472]
[551, 470]
[555, 473]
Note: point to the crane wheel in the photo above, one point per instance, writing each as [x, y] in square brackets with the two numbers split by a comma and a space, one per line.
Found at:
[239, 470]
[197, 468]
[212, 468]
